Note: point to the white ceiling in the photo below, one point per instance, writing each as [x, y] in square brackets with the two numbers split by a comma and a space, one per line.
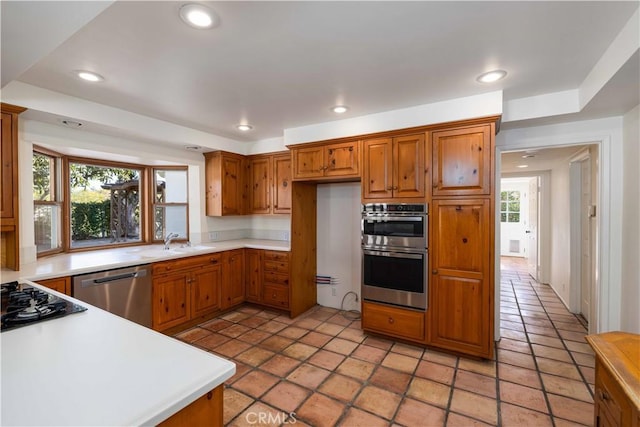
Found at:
[542, 160]
[281, 65]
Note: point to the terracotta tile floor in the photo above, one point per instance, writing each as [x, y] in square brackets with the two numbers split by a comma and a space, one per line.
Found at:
[321, 368]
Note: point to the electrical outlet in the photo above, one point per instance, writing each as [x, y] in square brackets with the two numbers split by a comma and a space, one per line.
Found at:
[333, 291]
[286, 236]
[213, 235]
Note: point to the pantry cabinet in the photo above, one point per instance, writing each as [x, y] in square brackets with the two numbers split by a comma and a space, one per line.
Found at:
[326, 161]
[460, 298]
[9, 212]
[224, 177]
[462, 161]
[394, 168]
[185, 289]
[233, 278]
[268, 179]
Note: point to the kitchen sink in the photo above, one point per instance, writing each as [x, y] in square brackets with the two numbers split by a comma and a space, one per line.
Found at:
[153, 253]
[189, 249]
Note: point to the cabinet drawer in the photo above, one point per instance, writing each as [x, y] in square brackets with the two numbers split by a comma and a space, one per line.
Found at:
[276, 256]
[608, 396]
[278, 278]
[393, 321]
[277, 266]
[185, 263]
[277, 296]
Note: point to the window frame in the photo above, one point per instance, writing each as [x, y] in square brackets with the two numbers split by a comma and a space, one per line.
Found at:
[509, 211]
[153, 203]
[57, 196]
[61, 179]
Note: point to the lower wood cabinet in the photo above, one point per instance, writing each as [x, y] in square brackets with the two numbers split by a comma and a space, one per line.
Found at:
[267, 278]
[60, 284]
[617, 392]
[206, 411]
[395, 321]
[185, 289]
[232, 292]
[253, 275]
[460, 286]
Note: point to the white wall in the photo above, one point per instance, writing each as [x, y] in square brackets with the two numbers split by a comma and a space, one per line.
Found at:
[338, 245]
[630, 312]
[560, 231]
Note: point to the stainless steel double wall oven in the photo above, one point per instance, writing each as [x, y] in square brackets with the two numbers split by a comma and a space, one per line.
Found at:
[394, 254]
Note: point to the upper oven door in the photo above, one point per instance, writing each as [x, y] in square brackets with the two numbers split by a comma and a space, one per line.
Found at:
[393, 230]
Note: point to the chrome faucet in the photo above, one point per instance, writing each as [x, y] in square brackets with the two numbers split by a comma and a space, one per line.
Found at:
[168, 239]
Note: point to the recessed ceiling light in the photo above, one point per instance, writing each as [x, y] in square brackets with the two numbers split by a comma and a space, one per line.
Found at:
[491, 76]
[244, 128]
[339, 109]
[528, 156]
[89, 76]
[71, 123]
[193, 147]
[523, 166]
[198, 16]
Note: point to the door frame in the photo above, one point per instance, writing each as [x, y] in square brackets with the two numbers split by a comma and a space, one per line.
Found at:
[607, 302]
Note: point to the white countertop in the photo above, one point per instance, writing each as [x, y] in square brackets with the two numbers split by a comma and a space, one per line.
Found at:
[95, 368]
[107, 259]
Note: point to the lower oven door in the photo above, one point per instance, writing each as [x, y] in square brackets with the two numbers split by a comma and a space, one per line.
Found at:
[395, 277]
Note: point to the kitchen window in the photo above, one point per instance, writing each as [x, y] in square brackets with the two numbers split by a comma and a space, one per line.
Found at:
[170, 203]
[105, 204]
[47, 202]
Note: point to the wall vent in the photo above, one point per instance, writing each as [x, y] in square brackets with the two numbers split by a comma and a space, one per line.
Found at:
[514, 246]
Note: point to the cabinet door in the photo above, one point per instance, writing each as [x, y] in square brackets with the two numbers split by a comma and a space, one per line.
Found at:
[408, 166]
[282, 184]
[253, 275]
[232, 200]
[233, 278]
[308, 162]
[378, 164]
[462, 161]
[170, 300]
[205, 290]
[342, 159]
[460, 289]
[259, 185]
[60, 284]
[6, 162]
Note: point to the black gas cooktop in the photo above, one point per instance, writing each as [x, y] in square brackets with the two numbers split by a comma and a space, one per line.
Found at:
[23, 305]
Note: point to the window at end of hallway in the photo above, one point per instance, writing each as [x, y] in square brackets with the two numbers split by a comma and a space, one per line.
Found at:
[510, 206]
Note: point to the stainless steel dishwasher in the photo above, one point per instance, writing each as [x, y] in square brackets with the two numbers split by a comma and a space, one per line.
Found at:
[124, 291]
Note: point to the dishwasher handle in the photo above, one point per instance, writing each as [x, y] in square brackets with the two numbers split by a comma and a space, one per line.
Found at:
[94, 282]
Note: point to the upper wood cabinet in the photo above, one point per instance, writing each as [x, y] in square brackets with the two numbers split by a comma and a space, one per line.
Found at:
[269, 183]
[394, 168]
[9, 213]
[462, 161]
[326, 161]
[224, 183]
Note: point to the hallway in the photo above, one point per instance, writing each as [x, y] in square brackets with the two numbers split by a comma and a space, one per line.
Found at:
[320, 369]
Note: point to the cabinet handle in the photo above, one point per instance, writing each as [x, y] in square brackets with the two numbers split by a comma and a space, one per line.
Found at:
[214, 261]
[274, 296]
[395, 187]
[391, 321]
[434, 271]
[435, 185]
[389, 188]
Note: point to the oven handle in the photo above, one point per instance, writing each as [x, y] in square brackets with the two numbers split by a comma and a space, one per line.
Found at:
[392, 254]
[377, 218]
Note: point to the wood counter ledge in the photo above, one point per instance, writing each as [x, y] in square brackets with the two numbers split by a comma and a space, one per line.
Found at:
[617, 393]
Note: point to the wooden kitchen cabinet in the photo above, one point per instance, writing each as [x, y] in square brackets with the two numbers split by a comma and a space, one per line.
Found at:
[460, 297]
[462, 161]
[233, 278]
[617, 391]
[269, 183]
[326, 161]
[253, 275]
[60, 284]
[394, 168]
[395, 321]
[185, 289]
[207, 410]
[275, 279]
[224, 178]
[9, 212]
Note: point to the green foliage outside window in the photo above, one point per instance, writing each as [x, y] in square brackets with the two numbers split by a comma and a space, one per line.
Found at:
[509, 206]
